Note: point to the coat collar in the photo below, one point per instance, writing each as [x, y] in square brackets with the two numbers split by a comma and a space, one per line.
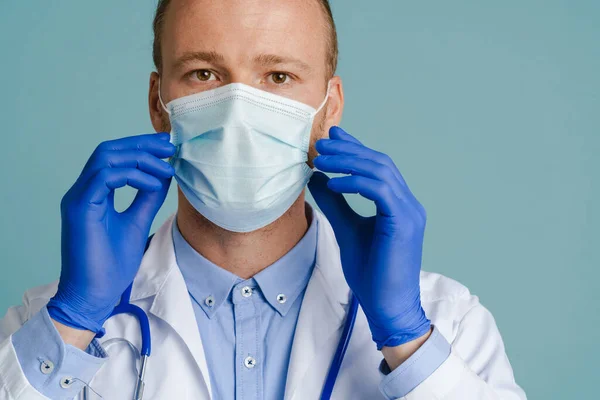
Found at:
[159, 276]
[321, 315]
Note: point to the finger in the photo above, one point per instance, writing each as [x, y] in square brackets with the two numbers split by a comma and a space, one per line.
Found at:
[334, 205]
[338, 133]
[109, 179]
[335, 147]
[372, 189]
[141, 160]
[362, 167]
[344, 147]
[156, 144]
[146, 204]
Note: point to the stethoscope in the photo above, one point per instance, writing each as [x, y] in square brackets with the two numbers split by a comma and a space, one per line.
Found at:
[125, 307]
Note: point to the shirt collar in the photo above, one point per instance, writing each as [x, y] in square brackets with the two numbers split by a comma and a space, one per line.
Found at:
[207, 283]
[281, 283]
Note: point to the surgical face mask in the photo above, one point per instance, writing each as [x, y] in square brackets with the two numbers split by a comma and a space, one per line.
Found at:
[241, 153]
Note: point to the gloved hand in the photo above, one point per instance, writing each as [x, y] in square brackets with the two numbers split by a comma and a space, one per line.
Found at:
[381, 255]
[101, 248]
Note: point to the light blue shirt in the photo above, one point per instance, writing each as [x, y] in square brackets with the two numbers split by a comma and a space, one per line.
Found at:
[247, 328]
[49, 363]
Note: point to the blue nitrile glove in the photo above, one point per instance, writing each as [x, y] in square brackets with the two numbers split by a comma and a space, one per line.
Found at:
[381, 255]
[101, 248]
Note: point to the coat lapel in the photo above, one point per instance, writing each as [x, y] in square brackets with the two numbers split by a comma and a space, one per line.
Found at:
[160, 276]
[321, 317]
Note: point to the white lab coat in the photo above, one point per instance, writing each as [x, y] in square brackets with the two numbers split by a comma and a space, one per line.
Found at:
[477, 368]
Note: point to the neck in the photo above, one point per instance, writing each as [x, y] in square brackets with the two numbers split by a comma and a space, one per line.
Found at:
[243, 254]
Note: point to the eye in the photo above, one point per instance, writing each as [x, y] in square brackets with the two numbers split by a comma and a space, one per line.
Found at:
[204, 75]
[279, 78]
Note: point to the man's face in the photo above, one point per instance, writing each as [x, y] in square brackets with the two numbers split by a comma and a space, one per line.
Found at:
[273, 45]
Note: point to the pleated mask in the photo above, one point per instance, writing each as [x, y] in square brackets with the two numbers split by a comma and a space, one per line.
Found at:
[241, 153]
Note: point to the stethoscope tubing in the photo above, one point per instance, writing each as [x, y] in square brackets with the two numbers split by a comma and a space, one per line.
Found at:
[338, 358]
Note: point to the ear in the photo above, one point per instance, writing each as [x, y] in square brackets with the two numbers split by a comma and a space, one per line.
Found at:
[158, 116]
[333, 115]
[335, 104]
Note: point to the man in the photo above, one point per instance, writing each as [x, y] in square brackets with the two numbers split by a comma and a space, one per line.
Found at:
[247, 289]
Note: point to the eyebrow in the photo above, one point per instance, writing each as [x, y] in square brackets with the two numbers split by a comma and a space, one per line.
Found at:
[211, 57]
[270, 60]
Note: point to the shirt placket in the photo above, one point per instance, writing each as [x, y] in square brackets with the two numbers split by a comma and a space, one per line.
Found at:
[248, 356]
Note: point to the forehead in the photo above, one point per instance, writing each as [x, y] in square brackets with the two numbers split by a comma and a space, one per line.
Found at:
[242, 29]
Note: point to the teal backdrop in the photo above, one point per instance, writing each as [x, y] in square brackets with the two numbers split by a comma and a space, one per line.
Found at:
[490, 109]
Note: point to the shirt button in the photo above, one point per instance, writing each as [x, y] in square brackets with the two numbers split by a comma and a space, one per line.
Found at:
[47, 367]
[210, 301]
[249, 362]
[66, 382]
[281, 298]
[246, 291]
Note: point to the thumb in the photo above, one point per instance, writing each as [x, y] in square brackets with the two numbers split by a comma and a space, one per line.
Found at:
[334, 205]
[145, 206]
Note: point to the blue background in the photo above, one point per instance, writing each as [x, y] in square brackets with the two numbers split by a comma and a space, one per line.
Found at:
[490, 109]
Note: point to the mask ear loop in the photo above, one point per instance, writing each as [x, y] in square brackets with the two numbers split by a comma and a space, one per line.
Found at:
[321, 107]
[173, 139]
[161, 100]
[324, 101]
